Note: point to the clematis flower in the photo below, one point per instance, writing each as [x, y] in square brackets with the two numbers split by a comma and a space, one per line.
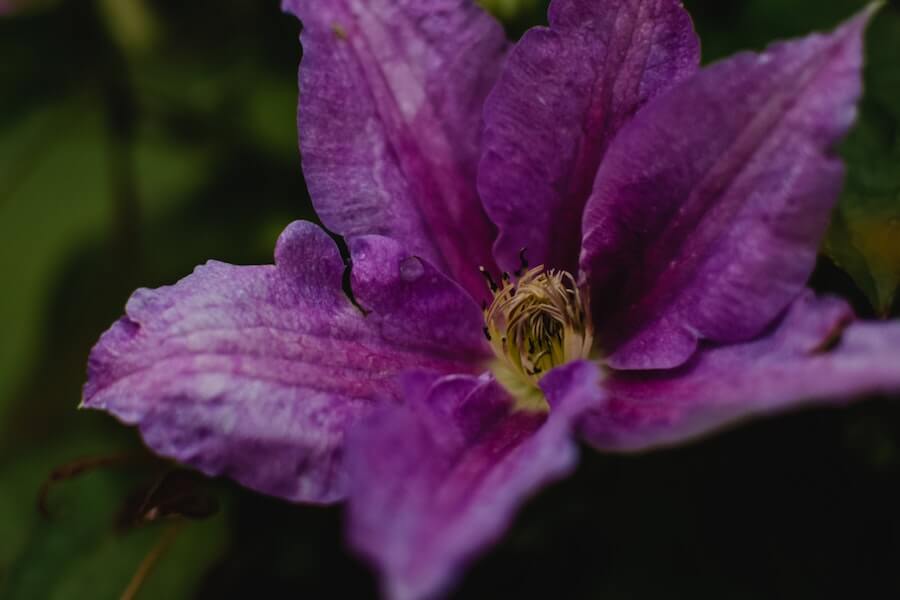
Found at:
[580, 235]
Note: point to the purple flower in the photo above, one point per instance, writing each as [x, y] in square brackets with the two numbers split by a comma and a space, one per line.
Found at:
[670, 216]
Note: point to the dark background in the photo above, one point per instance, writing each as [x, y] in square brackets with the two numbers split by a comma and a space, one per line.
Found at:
[139, 138]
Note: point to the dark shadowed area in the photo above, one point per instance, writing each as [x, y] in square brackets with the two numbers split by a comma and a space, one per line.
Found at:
[139, 138]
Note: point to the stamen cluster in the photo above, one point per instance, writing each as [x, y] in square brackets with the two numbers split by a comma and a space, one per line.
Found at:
[538, 322]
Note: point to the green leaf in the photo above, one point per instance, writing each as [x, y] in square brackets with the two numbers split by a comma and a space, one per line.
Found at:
[864, 239]
[50, 163]
[56, 177]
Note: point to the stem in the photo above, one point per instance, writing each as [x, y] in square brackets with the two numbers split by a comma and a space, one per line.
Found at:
[151, 560]
[79, 467]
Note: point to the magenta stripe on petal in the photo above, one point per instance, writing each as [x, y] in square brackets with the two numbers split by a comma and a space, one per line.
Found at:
[433, 482]
[389, 123]
[563, 95]
[709, 208]
[816, 355]
[256, 372]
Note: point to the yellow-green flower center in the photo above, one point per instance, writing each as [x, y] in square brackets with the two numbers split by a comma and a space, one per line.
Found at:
[535, 323]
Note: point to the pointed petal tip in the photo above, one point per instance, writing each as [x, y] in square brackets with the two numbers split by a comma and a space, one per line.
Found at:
[816, 355]
[797, 100]
[873, 8]
[858, 23]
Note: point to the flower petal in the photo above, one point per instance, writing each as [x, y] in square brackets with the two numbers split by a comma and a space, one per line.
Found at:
[564, 93]
[390, 122]
[256, 372]
[708, 210]
[795, 364]
[435, 481]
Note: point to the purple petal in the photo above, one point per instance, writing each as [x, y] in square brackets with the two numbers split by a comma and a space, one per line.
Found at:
[437, 480]
[563, 95]
[256, 372]
[390, 122]
[812, 356]
[708, 210]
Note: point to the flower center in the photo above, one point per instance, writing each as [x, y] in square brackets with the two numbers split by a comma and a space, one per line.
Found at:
[540, 321]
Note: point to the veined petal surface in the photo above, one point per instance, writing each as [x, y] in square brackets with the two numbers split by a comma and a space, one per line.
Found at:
[708, 211]
[563, 95]
[256, 372]
[390, 126]
[816, 355]
[436, 480]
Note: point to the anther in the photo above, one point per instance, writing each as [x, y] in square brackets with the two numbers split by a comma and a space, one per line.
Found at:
[539, 322]
[523, 263]
[490, 280]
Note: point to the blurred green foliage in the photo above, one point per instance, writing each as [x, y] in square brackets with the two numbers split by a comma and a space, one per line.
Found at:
[78, 552]
[865, 236]
[138, 139]
[133, 149]
[509, 10]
